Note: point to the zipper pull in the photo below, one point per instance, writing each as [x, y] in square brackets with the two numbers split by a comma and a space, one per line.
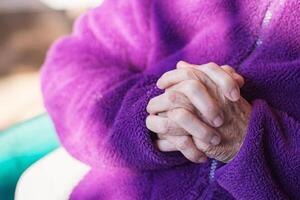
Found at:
[213, 167]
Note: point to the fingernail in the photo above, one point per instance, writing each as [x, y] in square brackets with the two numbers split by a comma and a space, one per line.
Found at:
[235, 95]
[215, 140]
[218, 121]
[202, 160]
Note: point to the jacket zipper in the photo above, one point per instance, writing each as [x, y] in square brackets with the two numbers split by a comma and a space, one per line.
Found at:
[213, 167]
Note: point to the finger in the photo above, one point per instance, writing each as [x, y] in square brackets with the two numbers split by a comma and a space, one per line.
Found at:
[163, 126]
[187, 147]
[222, 79]
[231, 71]
[165, 145]
[228, 68]
[177, 75]
[191, 124]
[201, 145]
[168, 101]
[199, 96]
[239, 79]
[163, 136]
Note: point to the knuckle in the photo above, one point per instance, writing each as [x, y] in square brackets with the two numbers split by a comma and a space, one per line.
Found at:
[229, 68]
[172, 96]
[212, 64]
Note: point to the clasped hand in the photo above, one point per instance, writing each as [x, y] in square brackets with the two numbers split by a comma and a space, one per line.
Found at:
[201, 113]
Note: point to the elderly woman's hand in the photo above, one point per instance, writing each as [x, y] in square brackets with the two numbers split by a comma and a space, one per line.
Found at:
[197, 100]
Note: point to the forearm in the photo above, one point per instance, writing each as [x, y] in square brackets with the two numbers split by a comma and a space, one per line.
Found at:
[90, 87]
[266, 165]
[103, 122]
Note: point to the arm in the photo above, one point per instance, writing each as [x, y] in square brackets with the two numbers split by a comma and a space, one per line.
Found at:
[268, 163]
[96, 91]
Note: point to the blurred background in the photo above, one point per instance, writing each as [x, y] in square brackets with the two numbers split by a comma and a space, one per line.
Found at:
[27, 29]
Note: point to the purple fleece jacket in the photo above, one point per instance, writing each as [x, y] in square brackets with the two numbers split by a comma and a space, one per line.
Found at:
[97, 83]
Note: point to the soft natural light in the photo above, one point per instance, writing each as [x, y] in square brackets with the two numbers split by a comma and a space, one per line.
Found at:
[71, 4]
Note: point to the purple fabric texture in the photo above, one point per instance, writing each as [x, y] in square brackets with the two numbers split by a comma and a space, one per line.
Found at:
[97, 82]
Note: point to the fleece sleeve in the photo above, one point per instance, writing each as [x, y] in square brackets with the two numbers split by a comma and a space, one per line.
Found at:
[268, 164]
[96, 90]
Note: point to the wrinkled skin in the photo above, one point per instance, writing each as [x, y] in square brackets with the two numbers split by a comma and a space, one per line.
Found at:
[201, 113]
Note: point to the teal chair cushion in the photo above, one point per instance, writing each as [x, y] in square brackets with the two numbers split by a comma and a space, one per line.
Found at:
[22, 145]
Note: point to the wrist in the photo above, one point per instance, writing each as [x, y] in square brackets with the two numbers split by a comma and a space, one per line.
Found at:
[243, 121]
